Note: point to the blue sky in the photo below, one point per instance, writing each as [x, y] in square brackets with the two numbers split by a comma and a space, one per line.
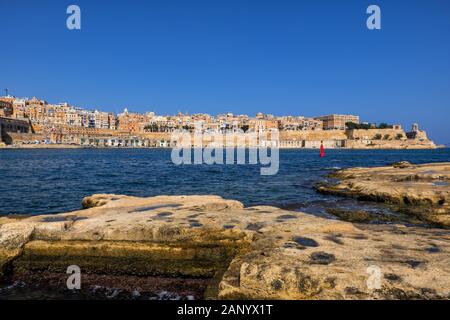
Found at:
[243, 56]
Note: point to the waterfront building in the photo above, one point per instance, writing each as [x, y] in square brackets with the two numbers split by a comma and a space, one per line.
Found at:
[6, 108]
[112, 121]
[19, 108]
[101, 120]
[261, 125]
[337, 121]
[291, 123]
[10, 126]
[131, 122]
[73, 118]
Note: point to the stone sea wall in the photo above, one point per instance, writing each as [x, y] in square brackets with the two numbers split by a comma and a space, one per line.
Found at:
[352, 139]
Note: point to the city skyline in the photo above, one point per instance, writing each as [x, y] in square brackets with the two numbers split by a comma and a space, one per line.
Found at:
[142, 121]
[130, 108]
[235, 56]
[25, 121]
[43, 112]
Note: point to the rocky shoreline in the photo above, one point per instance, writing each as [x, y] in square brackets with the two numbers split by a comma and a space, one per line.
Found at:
[235, 252]
[419, 190]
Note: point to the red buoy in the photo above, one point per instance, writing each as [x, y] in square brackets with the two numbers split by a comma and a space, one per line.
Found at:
[322, 150]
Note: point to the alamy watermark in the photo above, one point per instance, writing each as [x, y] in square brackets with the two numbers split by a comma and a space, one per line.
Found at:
[374, 20]
[375, 276]
[74, 280]
[228, 147]
[73, 21]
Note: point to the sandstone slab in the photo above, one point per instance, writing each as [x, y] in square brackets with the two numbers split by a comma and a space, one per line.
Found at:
[246, 253]
[421, 190]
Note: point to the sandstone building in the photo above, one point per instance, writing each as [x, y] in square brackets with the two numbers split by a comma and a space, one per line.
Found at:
[337, 121]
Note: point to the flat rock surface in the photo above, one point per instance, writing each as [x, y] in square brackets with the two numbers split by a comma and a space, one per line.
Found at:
[422, 190]
[257, 252]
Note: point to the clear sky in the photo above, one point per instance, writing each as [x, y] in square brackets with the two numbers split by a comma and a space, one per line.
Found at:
[243, 56]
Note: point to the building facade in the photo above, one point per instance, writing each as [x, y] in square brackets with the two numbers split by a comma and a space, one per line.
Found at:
[337, 121]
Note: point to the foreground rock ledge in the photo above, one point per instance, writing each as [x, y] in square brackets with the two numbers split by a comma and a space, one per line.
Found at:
[420, 190]
[254, 253]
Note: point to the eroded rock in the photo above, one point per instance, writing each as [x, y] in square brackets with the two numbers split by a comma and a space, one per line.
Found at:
[402, 164]
[420, 190]
[241, 252]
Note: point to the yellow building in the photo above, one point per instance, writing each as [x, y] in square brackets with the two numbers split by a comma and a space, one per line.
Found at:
[6, 108]
[337, 121]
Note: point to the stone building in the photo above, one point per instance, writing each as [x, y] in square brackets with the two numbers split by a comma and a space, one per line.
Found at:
[6, 108]
[261, 125]
[131, 122]
[290, 123]
[337, 121]
[9, 125]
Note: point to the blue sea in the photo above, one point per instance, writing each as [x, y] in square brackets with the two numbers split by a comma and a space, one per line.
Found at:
[55, 180]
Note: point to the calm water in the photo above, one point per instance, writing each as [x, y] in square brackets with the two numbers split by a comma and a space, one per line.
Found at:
[51, 181]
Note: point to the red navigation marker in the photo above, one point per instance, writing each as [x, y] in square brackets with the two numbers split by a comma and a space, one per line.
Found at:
[322, 150]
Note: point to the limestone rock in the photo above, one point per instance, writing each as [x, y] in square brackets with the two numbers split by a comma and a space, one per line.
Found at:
[402, 164]
[13, 237]
[98, 200]
[421, 190]
[256, 253]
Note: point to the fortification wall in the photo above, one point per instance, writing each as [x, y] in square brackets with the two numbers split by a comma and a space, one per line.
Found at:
[18, 138]
[353, 139]
[386, 134]
[390, 144]
[156, 135]
[313, 135]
